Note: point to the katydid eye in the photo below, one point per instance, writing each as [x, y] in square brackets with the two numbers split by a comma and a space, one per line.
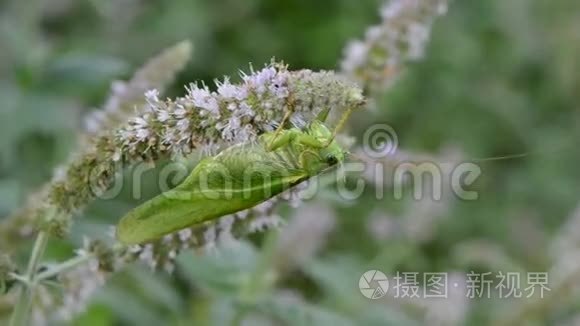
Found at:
[331, 160]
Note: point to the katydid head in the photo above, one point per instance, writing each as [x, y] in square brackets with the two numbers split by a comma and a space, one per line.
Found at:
[326, 156]
[333, 154]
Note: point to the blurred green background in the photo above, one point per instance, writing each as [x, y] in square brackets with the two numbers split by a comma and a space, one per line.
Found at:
[500, 77]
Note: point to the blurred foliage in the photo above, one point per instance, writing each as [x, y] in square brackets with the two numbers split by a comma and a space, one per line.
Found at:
[500, 77]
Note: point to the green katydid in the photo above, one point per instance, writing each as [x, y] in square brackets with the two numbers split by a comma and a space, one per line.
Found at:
[238, 178]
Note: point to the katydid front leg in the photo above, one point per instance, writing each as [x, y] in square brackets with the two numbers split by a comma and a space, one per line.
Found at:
[309, 164]
[279, 129]
[285, 119]
[340, 124]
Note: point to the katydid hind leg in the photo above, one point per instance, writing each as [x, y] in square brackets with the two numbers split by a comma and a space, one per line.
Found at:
[310, 141]
[296, 136]
[279, 141]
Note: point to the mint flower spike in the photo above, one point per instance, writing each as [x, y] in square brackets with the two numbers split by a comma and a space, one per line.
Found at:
[126, 100]
[376, 61]
[168, 128]
[233, 113]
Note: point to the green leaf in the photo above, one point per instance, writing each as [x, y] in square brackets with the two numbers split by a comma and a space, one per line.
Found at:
[129, 308]
[296, 312]
[220, 272]
[157, 288]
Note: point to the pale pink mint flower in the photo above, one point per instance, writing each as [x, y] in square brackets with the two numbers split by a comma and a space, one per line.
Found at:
[402, 36]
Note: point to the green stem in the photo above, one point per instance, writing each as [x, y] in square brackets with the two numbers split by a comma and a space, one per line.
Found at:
[239, 316]
[69, 264]
[18, 278]
[259, 281]
[24, 303]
